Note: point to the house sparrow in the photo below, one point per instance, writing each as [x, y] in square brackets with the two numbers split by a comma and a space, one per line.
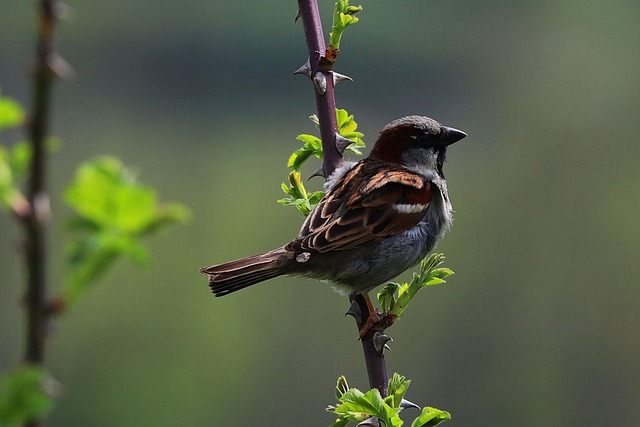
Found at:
[379, 217]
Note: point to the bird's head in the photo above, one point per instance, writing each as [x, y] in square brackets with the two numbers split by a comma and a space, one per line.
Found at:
[416, 142]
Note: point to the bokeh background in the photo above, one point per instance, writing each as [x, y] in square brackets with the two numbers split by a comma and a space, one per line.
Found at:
[540, 325]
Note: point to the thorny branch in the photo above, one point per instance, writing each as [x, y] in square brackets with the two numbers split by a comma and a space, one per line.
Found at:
[47, 67]
[319, 70]
[322, 77]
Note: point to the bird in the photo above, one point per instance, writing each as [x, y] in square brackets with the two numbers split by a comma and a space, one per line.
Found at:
[379, 216]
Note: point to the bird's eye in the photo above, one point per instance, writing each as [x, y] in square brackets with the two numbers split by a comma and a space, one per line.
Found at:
[422, 139]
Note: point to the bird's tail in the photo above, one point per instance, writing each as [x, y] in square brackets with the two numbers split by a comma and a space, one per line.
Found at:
[241, 273]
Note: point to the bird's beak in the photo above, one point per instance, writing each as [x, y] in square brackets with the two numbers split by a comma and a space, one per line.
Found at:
[450, 135]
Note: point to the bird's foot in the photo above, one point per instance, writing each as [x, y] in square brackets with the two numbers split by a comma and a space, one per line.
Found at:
[380, 321]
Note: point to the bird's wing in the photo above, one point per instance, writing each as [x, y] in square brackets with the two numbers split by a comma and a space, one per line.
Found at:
[372, 201]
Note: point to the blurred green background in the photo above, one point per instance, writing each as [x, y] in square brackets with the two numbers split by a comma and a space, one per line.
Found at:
[540, 325]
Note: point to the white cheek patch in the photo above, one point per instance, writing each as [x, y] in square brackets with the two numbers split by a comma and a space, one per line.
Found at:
[407, 208]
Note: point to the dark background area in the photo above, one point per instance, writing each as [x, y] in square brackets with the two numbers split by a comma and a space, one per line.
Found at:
[538, 327]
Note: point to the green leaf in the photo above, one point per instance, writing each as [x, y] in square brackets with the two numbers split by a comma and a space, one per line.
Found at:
[398, 386]
[24, 396]
[302, 200]
[108, 194]
[20, 158]
[355, 406]
[10, 195]
[394, 298]
[315, 197]
[312, 147]
[113, 211]
[6, 177]
[105, 192]
[341, 422]
[430, 417]
[347, 128]
[11, 113]
[343, 16]
[341, 386]
[386, 296]
[90, 257]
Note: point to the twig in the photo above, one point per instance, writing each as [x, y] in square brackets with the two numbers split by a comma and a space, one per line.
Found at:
[36, 219]
[320, 72]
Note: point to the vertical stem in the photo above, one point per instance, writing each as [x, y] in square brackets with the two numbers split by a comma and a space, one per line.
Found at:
[35, 255]
[376, 366]
[326, 106]
[325, 101]
[38, 214]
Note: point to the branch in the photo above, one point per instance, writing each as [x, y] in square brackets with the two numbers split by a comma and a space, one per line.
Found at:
[373, 344]
[318, 69]
[35, 221]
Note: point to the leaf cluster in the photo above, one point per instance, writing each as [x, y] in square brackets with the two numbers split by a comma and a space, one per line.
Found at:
[343, 16]
[355, 406]
[303, 201]
[113, 211]
[15, 160]
[297, 194]
[347, 128]
[395, 297]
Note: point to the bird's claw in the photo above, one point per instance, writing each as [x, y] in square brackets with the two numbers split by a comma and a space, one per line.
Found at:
[379, 320]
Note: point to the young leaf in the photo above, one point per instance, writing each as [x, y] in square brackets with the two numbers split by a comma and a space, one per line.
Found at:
[398, 386]
[6, 178]
[113, 211]
[341, 386]
[20, 158]
[355, 406]
[430, 417]
[386, 296]
[24, 396]
[302, 200]
[312, 147]
[11, 113]
[394, 298]
[343, 16]
[347, 128]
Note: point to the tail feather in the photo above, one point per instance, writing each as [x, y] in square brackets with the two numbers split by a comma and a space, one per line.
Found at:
[241, 273]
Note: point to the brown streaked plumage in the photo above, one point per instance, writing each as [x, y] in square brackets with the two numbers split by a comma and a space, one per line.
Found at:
[377, 219]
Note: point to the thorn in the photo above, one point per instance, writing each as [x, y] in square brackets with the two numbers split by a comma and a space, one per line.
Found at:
[380, 342]
[369, 422]
[337, 78]
[60, 68]
[354, 311]
[404, 404]
[321, 82]
[42, 207]
[298, 15]
[51, 387]
[62, 11]
[342, 143]
[305, 69]
[318, 172]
